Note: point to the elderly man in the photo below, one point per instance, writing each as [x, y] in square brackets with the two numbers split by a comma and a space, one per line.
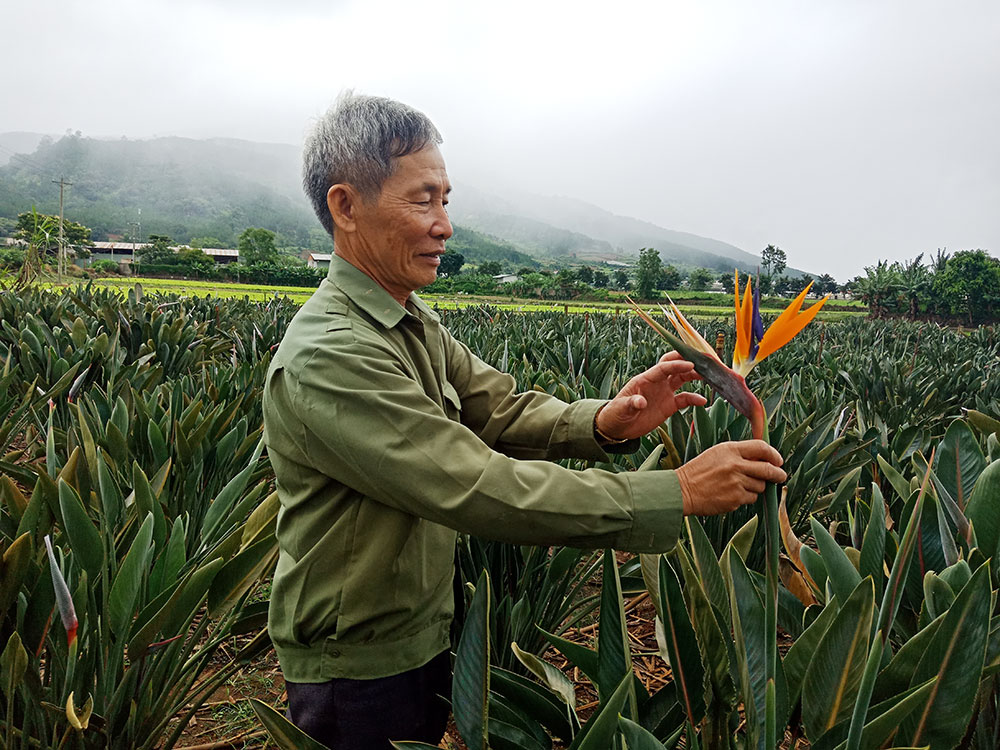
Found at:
[388, 437]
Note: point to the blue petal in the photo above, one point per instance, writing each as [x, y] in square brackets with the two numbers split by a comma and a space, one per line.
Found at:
[756, 324]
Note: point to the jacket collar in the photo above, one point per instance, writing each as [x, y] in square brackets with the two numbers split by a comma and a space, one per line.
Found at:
[362, 290]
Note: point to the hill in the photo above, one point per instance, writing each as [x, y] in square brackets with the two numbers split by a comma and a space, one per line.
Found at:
[188, 188]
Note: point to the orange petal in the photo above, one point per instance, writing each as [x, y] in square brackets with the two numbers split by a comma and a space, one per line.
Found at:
[788, 325]
[744, 314]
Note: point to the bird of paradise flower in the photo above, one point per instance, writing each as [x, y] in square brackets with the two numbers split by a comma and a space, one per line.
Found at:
[753, 345]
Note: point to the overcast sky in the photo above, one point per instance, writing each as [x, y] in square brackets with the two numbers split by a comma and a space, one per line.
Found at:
[841, 131]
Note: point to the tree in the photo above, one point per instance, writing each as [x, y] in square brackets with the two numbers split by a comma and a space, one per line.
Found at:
[782, 285]
[773, 260]
[73, 232]
[649, 273]
[622, 280]
[490, 268]
[877, 287]
[970, 285]
[826, 284]
[157, 252]
[200, 243]
[914, 285]
[601, 279]
[671, 278]
[699, 279]
[728, 282]
[451, 264]
[257, 246]
[585, 274]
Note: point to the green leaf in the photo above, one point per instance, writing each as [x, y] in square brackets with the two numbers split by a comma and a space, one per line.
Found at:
[580, 656]
[960, 461]
[599, 731]
[899, 484]
[801, 653]
[984, 509]
[873, 545]
[834, 675]
[84, 538]
[13, 568]
[682, 645]
[129, 580]
[955, 656]
[286, 735]
[239, 574]
[614, 659]
[551, 677]
[13, 664]
[843, 576]
[471, 684]
[637, 738]
[708, 568]
[219, 508]
[536, 701]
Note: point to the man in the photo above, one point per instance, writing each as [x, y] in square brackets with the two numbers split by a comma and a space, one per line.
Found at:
[388, 436]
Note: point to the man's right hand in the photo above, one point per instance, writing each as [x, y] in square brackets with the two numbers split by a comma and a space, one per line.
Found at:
[727, 476]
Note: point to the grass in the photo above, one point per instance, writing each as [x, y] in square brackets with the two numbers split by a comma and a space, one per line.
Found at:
[695, 304]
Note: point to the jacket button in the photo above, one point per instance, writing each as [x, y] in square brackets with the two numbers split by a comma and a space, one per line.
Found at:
[335, 653]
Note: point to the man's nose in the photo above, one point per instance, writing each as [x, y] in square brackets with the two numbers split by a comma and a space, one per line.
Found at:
[442, 224]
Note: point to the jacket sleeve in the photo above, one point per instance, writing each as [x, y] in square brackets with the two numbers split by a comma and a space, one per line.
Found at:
[529, 424]
[369, 425]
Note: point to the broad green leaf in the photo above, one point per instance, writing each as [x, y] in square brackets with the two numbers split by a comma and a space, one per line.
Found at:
[898, 674]
[984, 509]
[537, 701]
[84, 538]
[551, 677]
[637, 738]
[960, 461]
[13, 568]
[580, 656]
[682, 645]
[709, 633]
[471, 683]
[742, 542]
[873, 545]
[598, 732]
[222, 503]
[129, 579]
[239, 574]
[834, 674]
[843, 576]
[708, 568]
[899, 484]
[801, 653]
[614, 659]
[286, 735]
[955, 656]
[884, 720]
[13, 663]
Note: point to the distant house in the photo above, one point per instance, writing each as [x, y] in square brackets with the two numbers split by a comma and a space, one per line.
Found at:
[222, 255]
[319, 260]
[506, 278]
[124, 252]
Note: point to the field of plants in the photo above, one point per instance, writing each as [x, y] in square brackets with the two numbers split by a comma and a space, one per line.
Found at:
[137, 519]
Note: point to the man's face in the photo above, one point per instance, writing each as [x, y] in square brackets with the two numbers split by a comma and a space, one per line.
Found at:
[401, 233]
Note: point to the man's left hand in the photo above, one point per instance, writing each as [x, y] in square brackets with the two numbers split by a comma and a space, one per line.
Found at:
[648, 399]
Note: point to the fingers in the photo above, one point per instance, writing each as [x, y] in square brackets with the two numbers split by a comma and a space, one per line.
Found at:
[728, 475]
[686, 398]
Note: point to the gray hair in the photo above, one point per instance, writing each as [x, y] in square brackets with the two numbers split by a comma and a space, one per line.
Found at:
[356, 143]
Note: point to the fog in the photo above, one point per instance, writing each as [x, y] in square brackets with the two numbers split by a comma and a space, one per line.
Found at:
[842, 132]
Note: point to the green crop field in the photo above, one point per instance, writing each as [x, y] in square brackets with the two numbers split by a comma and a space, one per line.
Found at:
[693, 303]
[131, 442]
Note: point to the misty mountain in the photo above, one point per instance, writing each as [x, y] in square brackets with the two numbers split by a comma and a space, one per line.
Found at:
[217, 187]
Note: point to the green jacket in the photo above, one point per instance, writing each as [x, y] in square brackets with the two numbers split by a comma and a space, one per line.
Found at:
[386, 436]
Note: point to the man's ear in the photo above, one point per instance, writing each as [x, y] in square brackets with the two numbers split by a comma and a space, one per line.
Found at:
[342, 201]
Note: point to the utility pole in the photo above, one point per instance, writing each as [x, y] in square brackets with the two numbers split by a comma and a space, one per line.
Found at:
[60, 260]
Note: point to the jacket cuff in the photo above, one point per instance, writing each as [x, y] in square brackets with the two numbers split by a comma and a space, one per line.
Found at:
[657, 511]
[574, 435]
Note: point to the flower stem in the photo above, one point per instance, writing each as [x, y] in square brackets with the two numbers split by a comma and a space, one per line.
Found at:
[771, 536]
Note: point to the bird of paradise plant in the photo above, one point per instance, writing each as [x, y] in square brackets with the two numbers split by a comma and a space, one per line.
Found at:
[753, 345]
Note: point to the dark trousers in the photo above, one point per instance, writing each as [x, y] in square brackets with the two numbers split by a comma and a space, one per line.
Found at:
[347, 714]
